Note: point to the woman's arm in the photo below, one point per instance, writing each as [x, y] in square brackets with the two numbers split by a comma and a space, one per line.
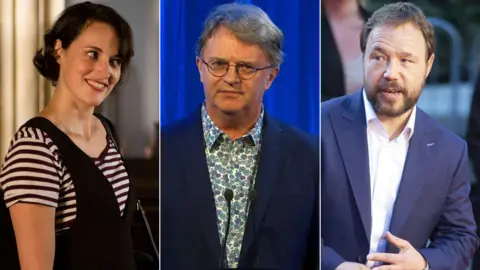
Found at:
[30, 181]
[34, 227]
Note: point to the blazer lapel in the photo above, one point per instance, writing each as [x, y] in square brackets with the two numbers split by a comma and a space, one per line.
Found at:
[413, 176]
[272, 157]
[351, 132]
[199, 189]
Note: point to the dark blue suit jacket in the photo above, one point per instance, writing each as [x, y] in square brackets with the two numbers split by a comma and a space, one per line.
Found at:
[285, 211]
[432, 200]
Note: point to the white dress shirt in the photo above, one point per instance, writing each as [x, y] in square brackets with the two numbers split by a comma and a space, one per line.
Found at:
[386, 159]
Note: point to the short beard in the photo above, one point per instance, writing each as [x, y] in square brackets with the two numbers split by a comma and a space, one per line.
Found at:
[409, 98]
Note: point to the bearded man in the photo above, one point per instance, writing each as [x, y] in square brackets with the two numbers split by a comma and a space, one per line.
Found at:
[395, 183]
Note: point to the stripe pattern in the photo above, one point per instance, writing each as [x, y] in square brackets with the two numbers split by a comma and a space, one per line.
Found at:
[33, 172]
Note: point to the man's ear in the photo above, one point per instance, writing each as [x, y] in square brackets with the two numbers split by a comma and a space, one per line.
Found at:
[430, 64]
[199, 66]
[271, 77]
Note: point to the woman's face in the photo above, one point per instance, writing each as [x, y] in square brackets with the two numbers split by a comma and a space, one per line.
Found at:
[90, 67]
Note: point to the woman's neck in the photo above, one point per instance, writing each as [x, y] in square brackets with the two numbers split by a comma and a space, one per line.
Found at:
[70, 114]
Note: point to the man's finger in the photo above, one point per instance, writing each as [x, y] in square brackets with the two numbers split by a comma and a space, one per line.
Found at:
[397, 241]
[384, 257]
[388, 267]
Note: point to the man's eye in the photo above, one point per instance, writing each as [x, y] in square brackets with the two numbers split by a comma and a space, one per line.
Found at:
[217, 64]
[246, 67]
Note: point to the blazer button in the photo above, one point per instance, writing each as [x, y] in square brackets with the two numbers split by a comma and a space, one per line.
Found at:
[362, 259]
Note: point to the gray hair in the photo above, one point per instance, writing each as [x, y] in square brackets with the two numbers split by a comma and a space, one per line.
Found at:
[250, 24]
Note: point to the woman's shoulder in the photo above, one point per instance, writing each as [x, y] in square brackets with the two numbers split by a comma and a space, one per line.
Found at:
[27, 133]
[31, 171]
[34, 141]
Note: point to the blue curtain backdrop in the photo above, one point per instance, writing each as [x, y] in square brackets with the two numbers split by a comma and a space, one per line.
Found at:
[294, 95]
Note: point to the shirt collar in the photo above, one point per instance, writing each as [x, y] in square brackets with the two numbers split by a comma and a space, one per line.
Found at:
[212, 133]
[371, 115]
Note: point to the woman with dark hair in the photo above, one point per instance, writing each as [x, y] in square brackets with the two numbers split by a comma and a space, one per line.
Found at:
[69, 197]
[341, 58]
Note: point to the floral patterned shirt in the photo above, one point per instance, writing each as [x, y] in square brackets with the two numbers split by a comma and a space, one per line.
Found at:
[231, 164]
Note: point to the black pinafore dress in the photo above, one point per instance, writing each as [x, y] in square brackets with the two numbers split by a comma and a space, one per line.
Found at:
[100, 237]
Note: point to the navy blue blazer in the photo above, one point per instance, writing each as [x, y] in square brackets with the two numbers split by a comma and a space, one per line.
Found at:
[432, 201]
[285, 211]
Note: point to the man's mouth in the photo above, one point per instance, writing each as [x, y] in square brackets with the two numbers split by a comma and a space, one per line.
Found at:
[391, 91]
[230, 92]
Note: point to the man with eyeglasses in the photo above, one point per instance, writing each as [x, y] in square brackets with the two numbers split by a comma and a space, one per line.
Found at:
[239, 188]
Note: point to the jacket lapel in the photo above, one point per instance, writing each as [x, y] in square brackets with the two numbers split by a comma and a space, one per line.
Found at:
[272, 157]
[351, 132]
[413, 176]
[198, 185]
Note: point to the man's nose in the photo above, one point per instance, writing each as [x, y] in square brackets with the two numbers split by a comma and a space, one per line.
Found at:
[391, 72]
[231, 76]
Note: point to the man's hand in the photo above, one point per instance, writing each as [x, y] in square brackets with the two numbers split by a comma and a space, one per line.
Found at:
[407, 259]
[352, 266]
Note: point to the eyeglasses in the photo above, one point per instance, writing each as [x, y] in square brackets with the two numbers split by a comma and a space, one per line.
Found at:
[244, 71]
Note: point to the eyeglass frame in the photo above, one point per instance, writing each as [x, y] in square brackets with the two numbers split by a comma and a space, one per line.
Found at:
[236, 69]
